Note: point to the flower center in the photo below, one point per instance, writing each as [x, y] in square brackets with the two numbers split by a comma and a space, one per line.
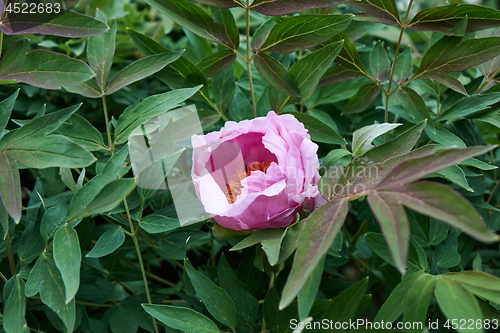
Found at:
[234, 186]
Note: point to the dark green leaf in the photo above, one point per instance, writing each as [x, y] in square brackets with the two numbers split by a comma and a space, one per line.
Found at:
[456, 302]
[450, 81]
[215, 63]
[381, 11]
[221, 3]
[247, 306]
[100, 51]
[81, 131]
[441, 202]
[224, 19]
[284, 7]
[218, 302]
[107, 243]
[193, 18]
[139, 113]
[307, 72]
[256, 238]
[10, 189]
[223, 88]
[66, 24]
[46, 279]
[447, 255]
[140, 69]
[455, 175]
[67, 257]
[88, 89]
[184, 319]
[362, 138]
[413, 104]
[43, 69]
[31, 244]
[417, 300]
[449, 54]
[262, 33]
[52, 219]
[393, 223]
[274, 73]
[5, 110]
[155, 224]
[379, 62]
[307, 295]
[362, 99]
[338, 74]
[470, 105]
[318, 130]
[445, 18]
[304, 31]
[14, 305]
[404, 67]
[316, 238]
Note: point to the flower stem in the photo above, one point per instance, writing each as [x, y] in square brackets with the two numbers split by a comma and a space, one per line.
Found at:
[1, 42]
[108, 129]
[248, 60]
[388, 94]
[139, 256]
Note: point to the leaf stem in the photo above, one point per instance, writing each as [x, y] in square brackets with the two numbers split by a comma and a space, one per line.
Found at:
[12, 263]
[108, 129]
[248, 59]
[387, 94]
[139, 256]
[486, 81]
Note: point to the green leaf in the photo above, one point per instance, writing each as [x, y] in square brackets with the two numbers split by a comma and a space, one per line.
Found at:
[284, 7]
[449, 54]
[447, 255]
[362, 138]
[319, 131]
[215, 63]
[450, 81]
[218, 302]
[155, 224]
[417, 300]
[456, 302]
[307, 72]
[445, 18]
[223, 88]
[362, 99]
[349, 56]
[88, 193]
[5, 110]
[469, 105]
[444, 137]
[247, 306]
[437, 231]
[478, 283]
[107, 243]
[14, 305]
[31, 244]
[413, 104]
[262, 33]
[394, 305]
[338, 74]
[52, 219]
[88, 89]
[66, 24]
[224, 19]
[82, 132]
[46, 279]
[393, 223]
[442, 203]
[274, 73]
[334, 156]
[256, 238]
[100, 51]
[220, 3]
[179, 74]
[455, 175]
[139, 113]
[10, 189]
[304, 31]
[404, 67]
[307, 295]
[44, 69]
[67, 256]
[184, 319]
[109, 197]
[316, 238]
[193, 18]
[140, 69]
[381, 11]
[379, 62]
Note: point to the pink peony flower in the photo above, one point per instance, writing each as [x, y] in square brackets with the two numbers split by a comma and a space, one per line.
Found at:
[257, 173]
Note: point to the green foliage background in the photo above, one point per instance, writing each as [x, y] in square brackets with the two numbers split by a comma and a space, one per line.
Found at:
[410, 87]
